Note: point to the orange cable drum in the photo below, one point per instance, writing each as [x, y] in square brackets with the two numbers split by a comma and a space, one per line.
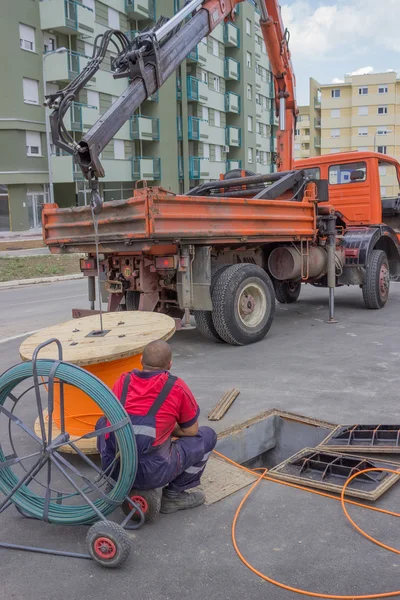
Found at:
[105, 356]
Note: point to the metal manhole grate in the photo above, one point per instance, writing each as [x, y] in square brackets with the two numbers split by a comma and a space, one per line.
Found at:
[328, 470]
[365, 438]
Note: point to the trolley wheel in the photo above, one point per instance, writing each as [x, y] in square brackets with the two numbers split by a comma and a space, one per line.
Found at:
[244, 304]
[377, 280]
[149, 502]
[287, 292]
[203, 318]
[108, 543]
[132, 299]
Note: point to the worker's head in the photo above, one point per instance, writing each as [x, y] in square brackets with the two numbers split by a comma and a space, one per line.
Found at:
[157, 356]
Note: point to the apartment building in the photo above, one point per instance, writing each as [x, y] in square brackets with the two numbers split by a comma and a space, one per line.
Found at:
[215, 114]
[360, 114]
[307, 141]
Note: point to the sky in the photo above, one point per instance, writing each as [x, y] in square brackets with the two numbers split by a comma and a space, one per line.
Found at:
[330, 38]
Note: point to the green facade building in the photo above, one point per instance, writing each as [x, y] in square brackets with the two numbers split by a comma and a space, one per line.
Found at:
[215, 114]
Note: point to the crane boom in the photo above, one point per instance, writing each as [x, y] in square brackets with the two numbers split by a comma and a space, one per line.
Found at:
[151, 58]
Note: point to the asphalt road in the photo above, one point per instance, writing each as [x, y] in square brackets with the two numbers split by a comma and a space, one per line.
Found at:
[25, 252]
[343, 373]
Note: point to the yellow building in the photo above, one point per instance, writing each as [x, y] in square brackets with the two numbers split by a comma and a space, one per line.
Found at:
[360, 114]
[307, 141]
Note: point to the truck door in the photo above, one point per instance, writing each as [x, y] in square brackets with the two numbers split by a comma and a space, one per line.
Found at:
[390, 195]
[349, 191]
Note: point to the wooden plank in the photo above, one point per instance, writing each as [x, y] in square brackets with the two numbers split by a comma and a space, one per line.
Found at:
[223, 405]
[128, 334]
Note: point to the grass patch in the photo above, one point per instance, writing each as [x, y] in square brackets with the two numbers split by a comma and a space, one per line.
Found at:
[29, 267]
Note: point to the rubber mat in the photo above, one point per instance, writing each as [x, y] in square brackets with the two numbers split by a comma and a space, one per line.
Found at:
[221, 479]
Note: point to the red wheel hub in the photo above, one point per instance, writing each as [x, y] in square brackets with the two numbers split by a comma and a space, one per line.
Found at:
[142, 502]
[105, 548]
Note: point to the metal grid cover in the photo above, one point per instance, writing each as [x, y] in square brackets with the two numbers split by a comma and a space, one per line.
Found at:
[363, 438]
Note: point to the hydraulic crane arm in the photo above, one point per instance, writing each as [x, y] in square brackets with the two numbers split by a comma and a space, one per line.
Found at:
[148, 61]
[276, 39]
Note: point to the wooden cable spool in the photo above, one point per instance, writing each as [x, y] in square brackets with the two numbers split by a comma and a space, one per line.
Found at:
[107, 354]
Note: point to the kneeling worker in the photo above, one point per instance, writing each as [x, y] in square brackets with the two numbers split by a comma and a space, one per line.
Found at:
[161, 406]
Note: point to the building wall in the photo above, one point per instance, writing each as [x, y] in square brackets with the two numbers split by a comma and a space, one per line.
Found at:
[150, 147]
[307, 140]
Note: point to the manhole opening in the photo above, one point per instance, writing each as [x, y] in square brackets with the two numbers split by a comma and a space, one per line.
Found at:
[270, 439]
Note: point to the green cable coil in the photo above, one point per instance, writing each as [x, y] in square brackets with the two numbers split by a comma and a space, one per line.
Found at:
[34, 505]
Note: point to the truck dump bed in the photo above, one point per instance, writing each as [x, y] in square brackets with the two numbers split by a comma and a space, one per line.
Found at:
[154, 216]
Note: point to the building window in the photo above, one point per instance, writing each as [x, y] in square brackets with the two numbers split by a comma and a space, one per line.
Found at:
[205, 113]
[113, 18]
[335, 114]
[263, 48]
[249, 92]
[217, 118]
[363, 91]
[363, 111]
[264, 101]
[119, 149]
[297, 146]
[250, 123]
[382, 132]
[93, 99]
[27, 37]
[215, 47]
[383, 89]
[335, 133]
[49, 42]
[31, 91]
[33, 143]
[250, 155]
[204, 76]
[218, 153]
[297, 132]
[248, 26]
[382, 149]
[382, 110]
[335, 93]
[216, 84]
[206, 150]
[258, 99]
[248, 59]
[88, 49]
[363, 131]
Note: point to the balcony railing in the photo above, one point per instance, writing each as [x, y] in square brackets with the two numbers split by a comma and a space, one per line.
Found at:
[317, 123]
[192, 88]
[181, 173]
[317, 142]
[194, 128]
[233, 136]
[146, 167]
[195, 166]
[193, 56]
[141, 9]
[232, 103]
[179, 128]
[233, 164]
[145, 128]
[232, 69]
[231, 35]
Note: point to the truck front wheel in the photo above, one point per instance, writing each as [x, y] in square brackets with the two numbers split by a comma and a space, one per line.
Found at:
[377, 280]
[287, 292]
[244, 304]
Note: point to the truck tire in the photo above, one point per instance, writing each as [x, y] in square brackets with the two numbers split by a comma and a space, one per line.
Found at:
[287, 292]
[244, 304]
[203, 318]
[377, 280]
[132, 300]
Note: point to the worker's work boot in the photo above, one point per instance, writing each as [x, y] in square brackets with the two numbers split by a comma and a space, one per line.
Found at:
[173, 501]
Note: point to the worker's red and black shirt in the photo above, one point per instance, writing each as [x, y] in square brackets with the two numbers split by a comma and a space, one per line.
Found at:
[179, 407]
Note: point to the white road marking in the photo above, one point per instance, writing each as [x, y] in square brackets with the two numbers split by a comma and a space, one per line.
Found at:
[352, 334]
[40, 301]
[20, 335]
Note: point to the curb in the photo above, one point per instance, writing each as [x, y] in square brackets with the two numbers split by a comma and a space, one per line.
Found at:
[21, 282]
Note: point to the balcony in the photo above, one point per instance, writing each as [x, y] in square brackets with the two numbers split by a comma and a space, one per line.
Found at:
[317, 142]
[140, 10]
[317, 123]
[233, 164]
[203, 168]
[231, 35]
[178, 88]
[232, 69]
[144, 167]
[194, 128]
[233, 136]
[197, 90]
[201, 130]
[181, 172]
[317, 104]
[145, 128]
[179, 128]
[232, 103]
[193, 56]
[66, 16]
[64, 66]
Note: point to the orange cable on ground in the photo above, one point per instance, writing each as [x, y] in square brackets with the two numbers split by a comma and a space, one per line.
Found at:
[343, 502]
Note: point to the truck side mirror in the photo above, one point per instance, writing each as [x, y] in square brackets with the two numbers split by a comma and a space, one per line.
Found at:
[322, 189]
[357, 175]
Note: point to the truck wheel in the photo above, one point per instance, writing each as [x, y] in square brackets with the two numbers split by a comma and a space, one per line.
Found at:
[132, 300]
[203, 318]
[287, 292]
[244, 304]
[377, 280]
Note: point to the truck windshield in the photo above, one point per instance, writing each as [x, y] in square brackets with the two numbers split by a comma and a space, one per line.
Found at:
[389, 182]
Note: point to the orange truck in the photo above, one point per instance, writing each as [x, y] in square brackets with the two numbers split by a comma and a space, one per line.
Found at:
[226, 250]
